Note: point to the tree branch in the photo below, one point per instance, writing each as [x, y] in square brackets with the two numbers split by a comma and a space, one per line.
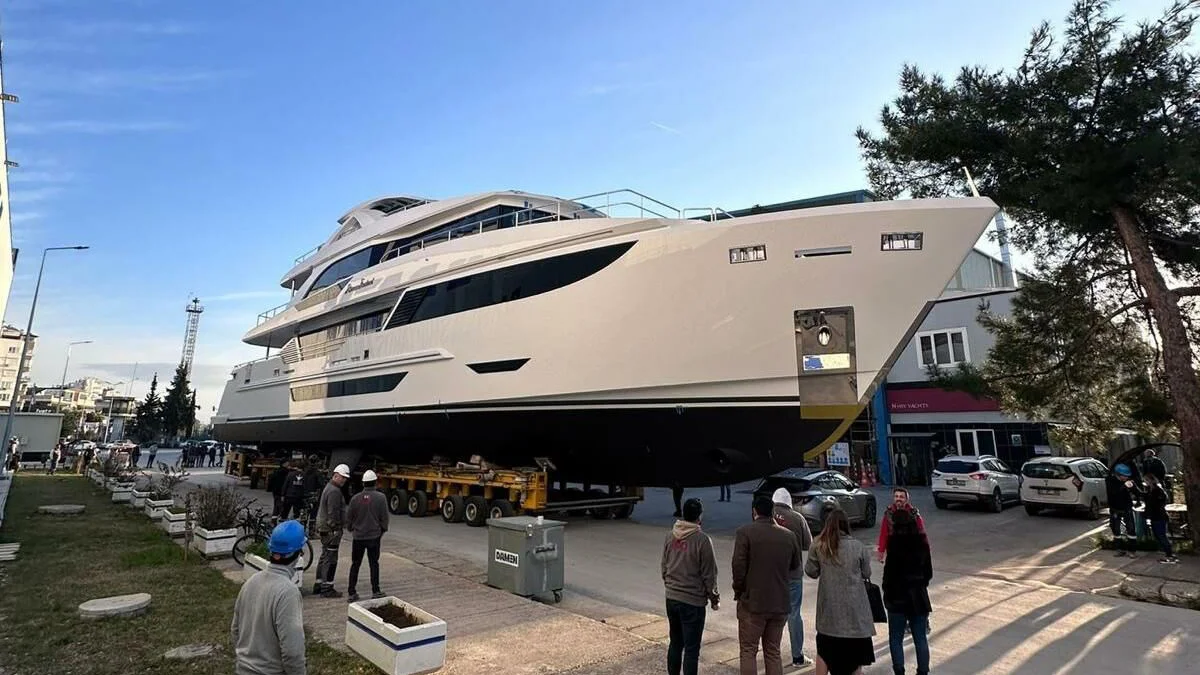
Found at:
[1185, 291]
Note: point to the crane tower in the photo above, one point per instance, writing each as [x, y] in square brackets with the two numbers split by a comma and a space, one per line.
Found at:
[189, 337]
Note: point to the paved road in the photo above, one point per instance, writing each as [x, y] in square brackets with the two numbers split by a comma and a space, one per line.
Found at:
[1002, 590]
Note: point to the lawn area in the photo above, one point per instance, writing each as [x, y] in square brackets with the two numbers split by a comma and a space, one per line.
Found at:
[112, 550]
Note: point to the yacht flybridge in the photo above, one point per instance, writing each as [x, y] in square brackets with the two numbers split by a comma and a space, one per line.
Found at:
[612, 334]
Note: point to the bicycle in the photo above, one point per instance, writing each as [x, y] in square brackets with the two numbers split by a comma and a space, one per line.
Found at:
[257, 526]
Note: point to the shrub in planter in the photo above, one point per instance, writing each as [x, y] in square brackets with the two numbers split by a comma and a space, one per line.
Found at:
[216, 510]
[397, 637]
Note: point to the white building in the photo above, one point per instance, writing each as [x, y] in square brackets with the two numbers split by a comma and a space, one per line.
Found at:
[11, 340]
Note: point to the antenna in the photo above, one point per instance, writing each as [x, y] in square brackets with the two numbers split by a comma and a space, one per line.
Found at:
[1010, 276]
[189, 337]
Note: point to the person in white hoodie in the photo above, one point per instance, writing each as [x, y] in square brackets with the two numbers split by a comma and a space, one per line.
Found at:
[787, 517]
[689, 572]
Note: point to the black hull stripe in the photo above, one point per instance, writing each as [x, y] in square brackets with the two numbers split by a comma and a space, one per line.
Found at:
[518, 405]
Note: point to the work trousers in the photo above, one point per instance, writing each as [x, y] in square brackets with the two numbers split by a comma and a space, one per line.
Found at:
[331, 540]
[371, 548]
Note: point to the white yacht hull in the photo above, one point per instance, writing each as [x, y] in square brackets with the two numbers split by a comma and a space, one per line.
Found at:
[668, 365]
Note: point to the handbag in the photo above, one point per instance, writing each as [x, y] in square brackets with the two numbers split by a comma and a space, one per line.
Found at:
[875, 597]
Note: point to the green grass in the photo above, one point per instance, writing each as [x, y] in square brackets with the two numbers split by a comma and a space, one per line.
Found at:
[112, 550]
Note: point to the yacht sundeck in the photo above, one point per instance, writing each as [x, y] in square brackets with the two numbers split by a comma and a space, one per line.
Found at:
[612, 334]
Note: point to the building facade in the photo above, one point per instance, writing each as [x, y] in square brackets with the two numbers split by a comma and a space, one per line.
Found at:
[11, 342]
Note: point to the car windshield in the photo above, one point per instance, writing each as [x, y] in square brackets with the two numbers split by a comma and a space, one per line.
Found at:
[1045, 470]
[957, 466]
[773, 483]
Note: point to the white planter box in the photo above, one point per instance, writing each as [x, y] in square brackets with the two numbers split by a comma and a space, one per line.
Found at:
[213, 543]
[154, 508]
[110, 484]
[173, 523]
[137, 499]
[122, 493]
[398, 651]
[254, 564]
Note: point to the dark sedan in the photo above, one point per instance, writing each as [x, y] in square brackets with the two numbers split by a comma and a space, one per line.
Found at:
[816, 492]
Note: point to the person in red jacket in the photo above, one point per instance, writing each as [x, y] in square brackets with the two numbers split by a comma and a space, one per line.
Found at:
[899, 502]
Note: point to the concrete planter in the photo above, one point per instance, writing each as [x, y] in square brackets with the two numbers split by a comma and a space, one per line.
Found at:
[255, 563]
[214, 543]
[110, 484]
[397, 651]
[137, 499]
[122, 493]
[154, 508]
[173, 523]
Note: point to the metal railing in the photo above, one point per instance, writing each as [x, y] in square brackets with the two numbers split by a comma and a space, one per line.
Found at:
[714, 212]
[263, 317]
[308, 254]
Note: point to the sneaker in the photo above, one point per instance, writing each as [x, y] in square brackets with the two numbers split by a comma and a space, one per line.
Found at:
[800, 662]
[376, 595]
[317, 588]
[330, 593]
[352, 597]
[1119, 554]
[1170, 560]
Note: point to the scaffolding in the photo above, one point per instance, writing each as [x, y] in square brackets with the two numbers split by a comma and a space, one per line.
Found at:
[189, 337]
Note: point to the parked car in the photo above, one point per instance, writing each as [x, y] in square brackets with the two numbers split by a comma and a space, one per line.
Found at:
[980, 479]
[816, 492]
[1069, 483]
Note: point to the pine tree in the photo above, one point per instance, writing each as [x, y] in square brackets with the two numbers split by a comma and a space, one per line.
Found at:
[1092, 144]
[177, 409]
[147, 417]
[189, 423]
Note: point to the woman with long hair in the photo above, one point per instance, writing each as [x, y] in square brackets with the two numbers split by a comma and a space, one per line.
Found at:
[906, 576]
[842, 564]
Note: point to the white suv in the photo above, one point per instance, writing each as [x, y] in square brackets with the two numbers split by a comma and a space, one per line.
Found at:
[981, 479]
[1073, 483]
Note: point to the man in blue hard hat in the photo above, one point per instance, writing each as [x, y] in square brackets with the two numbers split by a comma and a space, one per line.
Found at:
[1122, 494]
[268, 622]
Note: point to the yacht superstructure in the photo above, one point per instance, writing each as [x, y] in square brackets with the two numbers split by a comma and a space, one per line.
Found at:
[611, 334]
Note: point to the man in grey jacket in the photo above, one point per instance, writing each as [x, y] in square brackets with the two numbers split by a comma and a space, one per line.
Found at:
[331, 516]
[268, 622]
[367, 520]
[786, 516]
[689, 572]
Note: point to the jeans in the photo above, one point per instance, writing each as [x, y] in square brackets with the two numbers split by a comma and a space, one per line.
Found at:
[1117, 517]
[150, 461]
[918, 625]
[1159, 527]
[687, 627]
[292, 507]
[327, 567]
[796, 620]
[726, 493]
[756, 628]
[371, 548]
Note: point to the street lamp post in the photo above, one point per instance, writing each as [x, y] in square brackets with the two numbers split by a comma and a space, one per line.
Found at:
[67, 364]
[12, 404]
[112, 398]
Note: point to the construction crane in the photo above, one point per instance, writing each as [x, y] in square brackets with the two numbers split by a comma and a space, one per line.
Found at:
[189, 337]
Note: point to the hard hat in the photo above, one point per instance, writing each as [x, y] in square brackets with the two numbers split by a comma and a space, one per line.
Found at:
[342, 469]
[1122, 470]
[287, 538]
[369, 476]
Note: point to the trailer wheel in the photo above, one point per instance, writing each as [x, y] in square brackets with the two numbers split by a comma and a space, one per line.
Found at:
[623, 511]
[453, 508]
[476, 511]
[574, 495]
[398, 501]
[600, 512]
[254, 478]
[501, 508]
[418, 504]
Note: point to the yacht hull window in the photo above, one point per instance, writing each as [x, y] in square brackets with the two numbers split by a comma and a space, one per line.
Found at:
[313, 344]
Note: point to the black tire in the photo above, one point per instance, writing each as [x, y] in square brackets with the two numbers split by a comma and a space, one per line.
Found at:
[309, 559]
[939, 502]
[452, 509]
[244, 544]
[599, 512]
[476, 511]
[501, 508]
[1093, 512]
[996, 504]
[574, 495]
[623, 511]
[1032, 509]
[398, 501]
[418, 504]
[871, 515]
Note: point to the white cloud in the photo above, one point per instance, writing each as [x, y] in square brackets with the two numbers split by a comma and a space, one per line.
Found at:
[246, 295]
[19, 217]
[96, 127]
[144, 28]
[20, 176]
[663, 127]
[117, 81]
[34, 195]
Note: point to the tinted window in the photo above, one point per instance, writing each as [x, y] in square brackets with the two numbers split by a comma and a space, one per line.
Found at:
[1045, 470]
[957, 466]
[361, 385]
[363, 324]
[506, 284]
[773, 483]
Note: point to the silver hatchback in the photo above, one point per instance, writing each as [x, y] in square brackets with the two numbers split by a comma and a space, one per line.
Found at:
[816, 492]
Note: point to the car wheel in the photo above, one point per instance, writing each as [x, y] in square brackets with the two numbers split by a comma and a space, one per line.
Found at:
[869, 518]
[939, 502]
[1032, 510]
[997, 503]
[1093, 512]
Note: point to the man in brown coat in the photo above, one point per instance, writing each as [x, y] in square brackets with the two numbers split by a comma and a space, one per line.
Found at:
[764, 557]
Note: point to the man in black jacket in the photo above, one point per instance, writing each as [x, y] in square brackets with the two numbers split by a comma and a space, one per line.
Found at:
[1122, 493]
[1156, 513]
[367, 521]
[275, 486]
[295, 492]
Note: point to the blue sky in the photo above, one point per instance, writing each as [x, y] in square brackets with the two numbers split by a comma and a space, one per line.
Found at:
[199, 147]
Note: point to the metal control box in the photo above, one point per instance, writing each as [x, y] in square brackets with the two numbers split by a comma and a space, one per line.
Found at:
[525, 555]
